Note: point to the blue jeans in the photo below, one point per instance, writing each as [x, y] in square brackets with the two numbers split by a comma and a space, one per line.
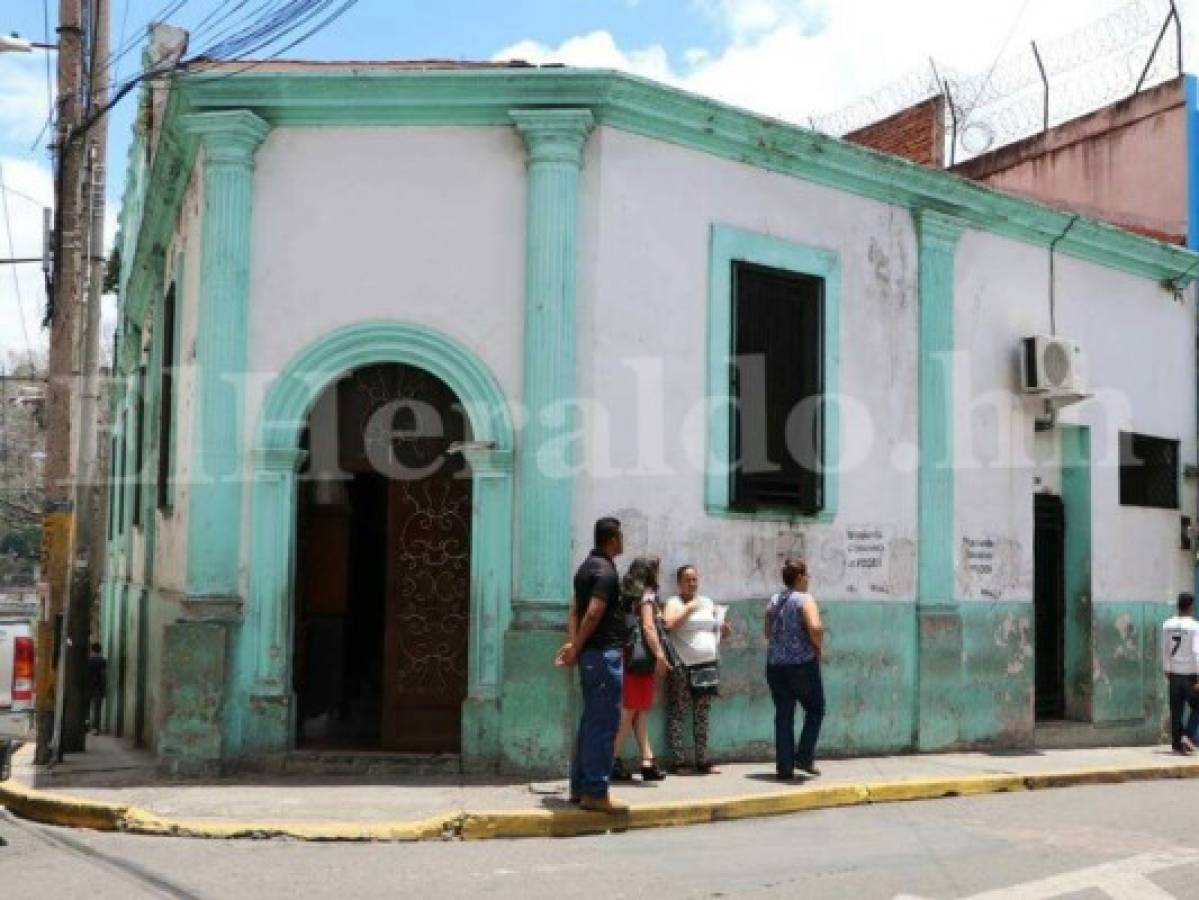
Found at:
[790, 685]
[600, 676]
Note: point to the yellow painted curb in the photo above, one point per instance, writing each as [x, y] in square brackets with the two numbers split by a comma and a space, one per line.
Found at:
[140, 821]
[77, 812]
[61, 809]
[935, 788]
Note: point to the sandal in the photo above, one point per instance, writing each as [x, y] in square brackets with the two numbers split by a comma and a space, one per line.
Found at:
[619, 772]
[651, 772]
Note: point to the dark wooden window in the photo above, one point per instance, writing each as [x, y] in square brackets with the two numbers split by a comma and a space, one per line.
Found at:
[777, 388]
[1148, 471]
[166, 399]
[139, 436]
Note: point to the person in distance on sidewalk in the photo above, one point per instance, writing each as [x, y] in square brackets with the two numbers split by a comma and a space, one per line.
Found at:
[1180, 660]
[795, 641]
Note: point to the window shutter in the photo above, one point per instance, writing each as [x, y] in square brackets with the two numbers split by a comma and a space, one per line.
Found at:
[139, 447]
[1148, 471]
[777, 385]
[166, 398]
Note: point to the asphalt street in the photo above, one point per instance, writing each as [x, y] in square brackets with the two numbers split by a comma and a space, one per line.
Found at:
[1129, 842]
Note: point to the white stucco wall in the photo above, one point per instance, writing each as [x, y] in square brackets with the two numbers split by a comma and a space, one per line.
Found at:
[427, 224]
[1140, 345]
[422, 225]
[647, 209]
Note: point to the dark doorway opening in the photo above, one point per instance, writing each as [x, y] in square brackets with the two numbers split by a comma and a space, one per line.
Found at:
[1049, 602]
[382, 585]
[340, 582]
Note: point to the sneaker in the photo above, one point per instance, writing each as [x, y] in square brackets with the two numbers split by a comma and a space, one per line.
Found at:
[707, 769]
[810, 770]
[603, 805]
[619, 772]
[1181, 749]
[785, 776]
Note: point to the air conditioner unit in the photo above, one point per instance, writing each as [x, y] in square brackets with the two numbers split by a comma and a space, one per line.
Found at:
[1053, 367]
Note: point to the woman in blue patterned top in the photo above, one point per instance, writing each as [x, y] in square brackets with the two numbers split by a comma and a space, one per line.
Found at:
[795, 637]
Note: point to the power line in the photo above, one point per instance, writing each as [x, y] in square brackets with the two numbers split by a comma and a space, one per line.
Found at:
[16, 282]
[120, 41]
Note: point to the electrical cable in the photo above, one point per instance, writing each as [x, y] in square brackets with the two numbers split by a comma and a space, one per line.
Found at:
[116, 75]
[16, 281]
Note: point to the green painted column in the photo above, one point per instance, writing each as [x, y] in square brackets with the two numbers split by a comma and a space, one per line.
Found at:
[554, 139]
[490, 603]
[939, 696]
[229, 141]
[261, 718]
[1076, 499]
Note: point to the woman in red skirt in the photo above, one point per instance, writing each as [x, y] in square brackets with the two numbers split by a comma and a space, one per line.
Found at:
[639, 592]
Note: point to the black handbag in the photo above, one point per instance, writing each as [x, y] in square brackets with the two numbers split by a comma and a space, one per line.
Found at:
[672, 655]
[640, 659]
[704, 678]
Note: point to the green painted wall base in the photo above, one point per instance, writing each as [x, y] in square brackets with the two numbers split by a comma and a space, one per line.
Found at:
[1128, 685]
[995, 706]
[538, 704]
[193, 682]
[480, 734]
[975, 689]
[939, 678]
[267, 724]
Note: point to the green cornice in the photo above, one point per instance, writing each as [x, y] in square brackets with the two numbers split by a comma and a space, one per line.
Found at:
[366, 96]
[484, 97]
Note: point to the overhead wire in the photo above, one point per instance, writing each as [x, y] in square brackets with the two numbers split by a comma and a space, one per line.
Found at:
[12, 252]
[253, 31]
[116, 75]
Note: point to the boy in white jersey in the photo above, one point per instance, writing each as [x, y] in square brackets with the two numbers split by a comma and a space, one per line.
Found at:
[1180, 660]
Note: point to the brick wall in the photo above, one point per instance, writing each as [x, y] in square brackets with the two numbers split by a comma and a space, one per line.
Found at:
[916, 133]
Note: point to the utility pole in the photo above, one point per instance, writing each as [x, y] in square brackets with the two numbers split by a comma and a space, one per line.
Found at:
[80, 584]
[58, 516]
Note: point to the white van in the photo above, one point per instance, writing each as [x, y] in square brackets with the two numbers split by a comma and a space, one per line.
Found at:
[16, 688]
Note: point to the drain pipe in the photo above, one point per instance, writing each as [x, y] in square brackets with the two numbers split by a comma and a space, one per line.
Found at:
[1049, 420]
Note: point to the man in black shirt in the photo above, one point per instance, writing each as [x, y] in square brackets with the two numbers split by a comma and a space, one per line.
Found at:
[596, 637]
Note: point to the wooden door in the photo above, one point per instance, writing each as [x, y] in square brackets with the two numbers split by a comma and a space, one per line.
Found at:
[428, 574]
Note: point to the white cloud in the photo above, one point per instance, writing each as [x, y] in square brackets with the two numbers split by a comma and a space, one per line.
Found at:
[25, 106]
[595, 50]
[798, 58]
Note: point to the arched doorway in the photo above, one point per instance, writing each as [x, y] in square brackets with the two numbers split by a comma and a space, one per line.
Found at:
[263, 708]
[383, 564]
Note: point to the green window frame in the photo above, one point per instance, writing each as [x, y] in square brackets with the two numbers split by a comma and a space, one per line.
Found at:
[728, 247]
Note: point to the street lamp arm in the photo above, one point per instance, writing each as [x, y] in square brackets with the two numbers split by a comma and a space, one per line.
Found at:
[11, 43]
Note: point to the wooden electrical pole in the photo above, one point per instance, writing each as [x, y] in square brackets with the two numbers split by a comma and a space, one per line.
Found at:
[80, 584]
[63, 315]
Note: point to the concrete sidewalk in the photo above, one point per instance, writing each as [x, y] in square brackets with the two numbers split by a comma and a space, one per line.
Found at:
[117, 788]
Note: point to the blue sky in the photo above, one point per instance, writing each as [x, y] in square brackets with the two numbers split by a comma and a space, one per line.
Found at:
[789, 58]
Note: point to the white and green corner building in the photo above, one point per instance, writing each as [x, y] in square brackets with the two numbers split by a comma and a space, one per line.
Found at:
[391, 337]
